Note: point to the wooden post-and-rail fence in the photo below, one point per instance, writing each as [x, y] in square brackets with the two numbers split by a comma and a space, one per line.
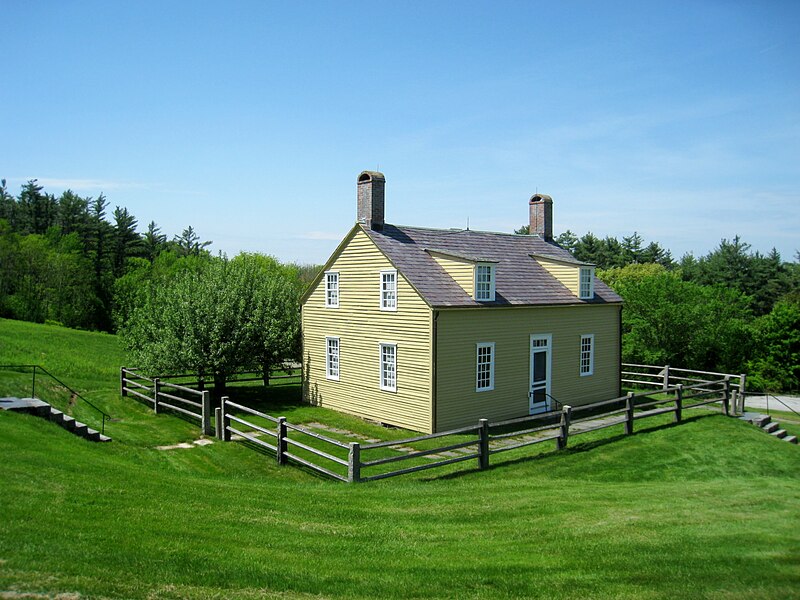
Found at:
[195, 404]
[673, 391]
[349, 461]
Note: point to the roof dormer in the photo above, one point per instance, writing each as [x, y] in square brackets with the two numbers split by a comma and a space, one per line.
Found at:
[578, 277]
[475, 275]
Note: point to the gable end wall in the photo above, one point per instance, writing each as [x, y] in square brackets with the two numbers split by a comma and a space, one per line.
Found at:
[361, 326]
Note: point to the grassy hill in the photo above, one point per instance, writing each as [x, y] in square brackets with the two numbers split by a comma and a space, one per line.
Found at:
[707, 509]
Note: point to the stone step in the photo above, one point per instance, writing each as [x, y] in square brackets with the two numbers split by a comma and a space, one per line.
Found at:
[792, 439]
[95, 436]
[770, 427]
[762, 421]
[781, 433]
[76, 427]
[40, 408]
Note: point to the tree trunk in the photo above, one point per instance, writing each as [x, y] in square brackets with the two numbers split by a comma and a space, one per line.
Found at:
[265, 374]
[219, 385]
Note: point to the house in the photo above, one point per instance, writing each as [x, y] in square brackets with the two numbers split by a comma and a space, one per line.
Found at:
[433, 329]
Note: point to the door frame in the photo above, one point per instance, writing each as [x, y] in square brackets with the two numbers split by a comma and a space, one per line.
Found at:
[549, 365]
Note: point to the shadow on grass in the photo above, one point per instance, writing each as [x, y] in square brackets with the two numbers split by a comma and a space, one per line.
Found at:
[577, 448]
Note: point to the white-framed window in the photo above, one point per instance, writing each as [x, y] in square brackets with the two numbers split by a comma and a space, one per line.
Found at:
[587, 354]
[388, 358]
[332, 366]
[389, 290]
[484, 282]
[586, 283]
[484, 367]
[332, 289]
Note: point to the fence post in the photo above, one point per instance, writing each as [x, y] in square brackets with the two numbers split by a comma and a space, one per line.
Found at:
[629, 404]
[206, 417]
[742, 385]
[226, 434]
[33, 383]
[679, 403]
[735, 401]
[122, 391]
[156, 392]
[218, 423]
[483, 445]
[354, 463]
[726, 401]
[280, 445]
[666, 377]
[563, 435]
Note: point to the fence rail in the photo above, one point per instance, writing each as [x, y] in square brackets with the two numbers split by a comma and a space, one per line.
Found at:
[196, 406]
[665, 377]
[325, 455]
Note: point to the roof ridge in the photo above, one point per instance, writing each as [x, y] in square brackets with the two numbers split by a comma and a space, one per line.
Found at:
[457, 230]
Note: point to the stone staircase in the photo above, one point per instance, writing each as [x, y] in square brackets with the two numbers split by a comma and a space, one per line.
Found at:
[40, 408]
[771, 427]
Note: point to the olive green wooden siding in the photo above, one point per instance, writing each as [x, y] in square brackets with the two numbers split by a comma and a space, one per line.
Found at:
[463, 271]
[458, 332]
[361, 326]
[567, 274]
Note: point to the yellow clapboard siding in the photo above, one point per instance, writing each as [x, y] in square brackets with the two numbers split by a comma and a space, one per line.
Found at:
[458, 332]
[361, 326]
[461, 270]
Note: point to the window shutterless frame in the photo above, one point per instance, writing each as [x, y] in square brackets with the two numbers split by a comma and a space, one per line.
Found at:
[587, 354]
[484, 367]
[586, 283]
[388, 366]
[389, 290]
[484, 282]
[332, 358]
[332, 289]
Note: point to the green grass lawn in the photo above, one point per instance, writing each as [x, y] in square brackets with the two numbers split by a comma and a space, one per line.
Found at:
[706, 509]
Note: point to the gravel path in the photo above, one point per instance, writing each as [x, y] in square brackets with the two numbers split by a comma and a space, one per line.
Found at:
[762, 402]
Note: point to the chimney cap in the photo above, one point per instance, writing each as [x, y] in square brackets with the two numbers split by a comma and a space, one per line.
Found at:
[540, 198]
[370, 176]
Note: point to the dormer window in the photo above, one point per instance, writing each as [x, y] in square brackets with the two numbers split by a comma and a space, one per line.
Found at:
[484, 282]
[586, 283]
[332, 289]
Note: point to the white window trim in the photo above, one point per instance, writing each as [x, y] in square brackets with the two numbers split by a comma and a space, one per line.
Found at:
[328, 374]
[492, 279]
[381, 346]
[590, 295]
[589, 336]
[478, 347]
[383, 305]
[327, 290]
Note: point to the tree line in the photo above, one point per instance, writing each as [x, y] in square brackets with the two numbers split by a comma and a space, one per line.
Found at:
[178, 308]
[732, 310]
[68, 259]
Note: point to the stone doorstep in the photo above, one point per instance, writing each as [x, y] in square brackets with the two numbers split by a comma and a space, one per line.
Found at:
[186, 445]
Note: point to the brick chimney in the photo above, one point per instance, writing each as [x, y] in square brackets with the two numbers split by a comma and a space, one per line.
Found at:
[541, 210]
[371, 186]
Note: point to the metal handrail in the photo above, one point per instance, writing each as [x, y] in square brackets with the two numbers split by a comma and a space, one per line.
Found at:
[62, 384]
[767, 395]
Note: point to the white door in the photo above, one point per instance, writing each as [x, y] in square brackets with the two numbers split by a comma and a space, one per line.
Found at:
[539, 395]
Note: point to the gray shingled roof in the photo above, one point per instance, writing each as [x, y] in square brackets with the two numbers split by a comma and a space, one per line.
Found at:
[520, 280]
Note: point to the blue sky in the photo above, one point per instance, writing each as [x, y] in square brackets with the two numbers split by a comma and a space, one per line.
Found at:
[250, 121]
